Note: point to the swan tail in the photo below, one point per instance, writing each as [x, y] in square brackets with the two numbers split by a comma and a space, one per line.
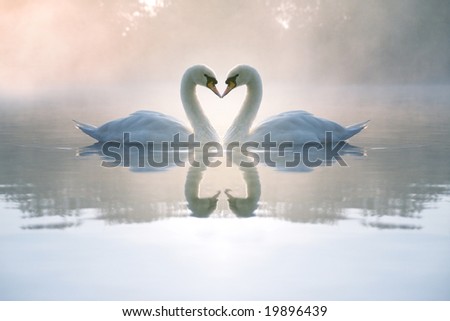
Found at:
[354, 129]
[87, 129]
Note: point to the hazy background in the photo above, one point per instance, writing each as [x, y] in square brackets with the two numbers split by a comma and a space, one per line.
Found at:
[50, 44]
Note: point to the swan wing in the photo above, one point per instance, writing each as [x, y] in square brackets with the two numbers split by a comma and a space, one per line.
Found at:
[143, 126]
[298, 127]
[285, 116]
[155, 115]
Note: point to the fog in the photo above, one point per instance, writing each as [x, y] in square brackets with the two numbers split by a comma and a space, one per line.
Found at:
[56, 44]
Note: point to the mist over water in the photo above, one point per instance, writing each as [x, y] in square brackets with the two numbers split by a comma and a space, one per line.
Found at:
[82, 43]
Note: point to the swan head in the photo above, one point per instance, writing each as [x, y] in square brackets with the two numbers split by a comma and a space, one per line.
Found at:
[239, 76]
[203, 76]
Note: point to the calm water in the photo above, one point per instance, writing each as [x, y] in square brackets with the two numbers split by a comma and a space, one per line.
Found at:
[376, 229]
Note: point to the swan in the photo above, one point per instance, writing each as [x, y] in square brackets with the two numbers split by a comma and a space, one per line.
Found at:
[246, 206]
[199, 206]
[298, 127]
[150, 126]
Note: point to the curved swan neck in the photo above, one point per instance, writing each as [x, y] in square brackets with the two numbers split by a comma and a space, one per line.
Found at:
[247, 114]
[203, 129]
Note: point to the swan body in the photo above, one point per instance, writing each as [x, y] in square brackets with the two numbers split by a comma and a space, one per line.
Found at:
[301, 127]
[297, 127]
[142, 125]
[149, 126]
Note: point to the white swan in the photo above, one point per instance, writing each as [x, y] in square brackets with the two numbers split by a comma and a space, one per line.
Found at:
[298, 127]
[149, 126]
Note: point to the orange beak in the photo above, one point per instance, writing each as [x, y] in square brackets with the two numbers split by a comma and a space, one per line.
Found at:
[230, 87]
[214, 89]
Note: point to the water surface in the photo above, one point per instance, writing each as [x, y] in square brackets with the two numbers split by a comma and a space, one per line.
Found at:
[377, 229]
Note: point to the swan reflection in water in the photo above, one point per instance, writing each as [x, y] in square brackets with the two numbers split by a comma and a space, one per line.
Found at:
[246, 206]
[199, 206]
[74, 191]
[240, 206]
[137, 160]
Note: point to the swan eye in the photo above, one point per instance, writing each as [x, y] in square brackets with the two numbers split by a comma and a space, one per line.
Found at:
[211, 83]
[232, 80]
[210, 80]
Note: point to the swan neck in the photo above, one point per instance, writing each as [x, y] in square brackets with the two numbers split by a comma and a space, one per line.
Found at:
[247, 114]
[203, 129]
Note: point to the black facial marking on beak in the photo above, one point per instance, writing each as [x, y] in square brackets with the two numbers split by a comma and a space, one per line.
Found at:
[210, 80]
[211, 83]
[231, 82]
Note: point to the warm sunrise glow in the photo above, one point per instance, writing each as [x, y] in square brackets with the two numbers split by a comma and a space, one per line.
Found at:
[151, 6]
